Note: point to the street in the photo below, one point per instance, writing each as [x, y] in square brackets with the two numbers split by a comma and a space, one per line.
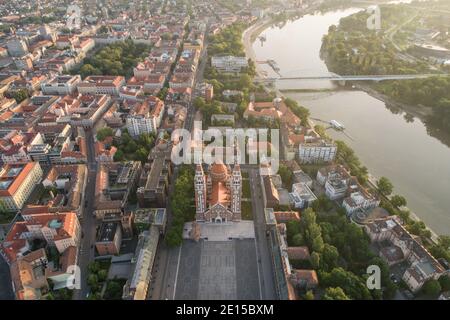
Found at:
[264, 258]
[164, 272]
[86, 252]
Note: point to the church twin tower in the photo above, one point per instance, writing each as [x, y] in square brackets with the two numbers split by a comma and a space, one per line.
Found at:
[218, 194]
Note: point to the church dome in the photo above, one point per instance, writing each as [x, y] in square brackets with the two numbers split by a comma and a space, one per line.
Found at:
[219, 172]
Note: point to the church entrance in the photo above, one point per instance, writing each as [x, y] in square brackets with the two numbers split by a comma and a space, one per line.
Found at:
[218, 220]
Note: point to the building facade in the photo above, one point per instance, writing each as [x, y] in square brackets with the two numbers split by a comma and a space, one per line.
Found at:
[61, 85]
[317, 152]
[17, 182]
[101, 85]
[218, 194]
[229, 63]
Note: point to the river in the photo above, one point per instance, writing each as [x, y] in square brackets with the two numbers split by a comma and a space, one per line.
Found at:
[390, 144]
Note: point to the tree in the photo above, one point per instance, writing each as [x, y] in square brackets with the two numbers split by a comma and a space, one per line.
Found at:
[398, 201]
[113, 290]
[309, 295]
[311, 231]
[103, 30]
[119, 156]
[292, 229]
[404, 215]
[444, 281]
[142, 154]
[181, 204]
[2, 207]
[354, 286]
[315, 260]
[102, 275]
[94, 296]
[317, 244]
[389, 287]
[335, 294]
[245, 81]
[50, 296]
[163, 93]
[444, 241]
[199, 103]
[173, 237]
[322, 204]
[298, 240]
[89, 70]
[431, 288]
[217, 85]
[146, 140]
[94, 267]
[330, 257]
[103, 133]
[92, 280]
[286, 175]
[301, 112]
[385, 186]
[20, 95]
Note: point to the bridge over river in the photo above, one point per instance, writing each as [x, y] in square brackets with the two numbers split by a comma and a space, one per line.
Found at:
[336, 77]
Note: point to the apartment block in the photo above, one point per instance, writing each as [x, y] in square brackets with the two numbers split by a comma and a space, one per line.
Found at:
[17, 182]
[399, 246]
[109, 239]
[229, 63]
[101, 85]
[145, 117]
[61, 85]
[317, 152]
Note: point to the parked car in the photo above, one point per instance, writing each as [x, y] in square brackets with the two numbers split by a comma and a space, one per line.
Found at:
[394, 279]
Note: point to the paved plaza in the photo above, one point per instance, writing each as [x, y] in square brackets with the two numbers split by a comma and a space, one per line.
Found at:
[223, 231]
[222, 270]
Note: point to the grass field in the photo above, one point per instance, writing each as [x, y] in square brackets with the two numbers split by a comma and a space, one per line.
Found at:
[246, 189]
[247, 213]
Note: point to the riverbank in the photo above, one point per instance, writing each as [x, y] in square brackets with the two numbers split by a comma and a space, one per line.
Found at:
[255, 30]
[420, 112]
[251, 33]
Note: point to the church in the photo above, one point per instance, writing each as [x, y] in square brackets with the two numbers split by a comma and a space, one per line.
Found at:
[218, 193]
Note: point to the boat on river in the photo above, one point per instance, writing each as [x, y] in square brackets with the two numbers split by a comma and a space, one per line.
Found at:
[336, 125]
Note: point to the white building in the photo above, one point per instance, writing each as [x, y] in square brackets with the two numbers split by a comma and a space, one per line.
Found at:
[17, 182]
[138, 124]
[229, 63]
[422, 265]
[336, 187]
[136, 287]
[61, 85]
[145, 117]
[317, 152]
[301, 195]
[359, 199]
[101, 85]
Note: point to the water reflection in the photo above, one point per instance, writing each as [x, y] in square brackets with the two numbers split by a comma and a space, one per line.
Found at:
[389, 141]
